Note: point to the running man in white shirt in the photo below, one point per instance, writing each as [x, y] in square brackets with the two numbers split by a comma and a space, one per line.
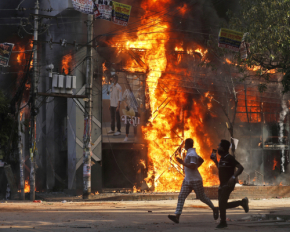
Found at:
[192, 181]
[115, 101]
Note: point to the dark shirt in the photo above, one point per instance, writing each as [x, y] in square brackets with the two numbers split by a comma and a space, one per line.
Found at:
[226, 167]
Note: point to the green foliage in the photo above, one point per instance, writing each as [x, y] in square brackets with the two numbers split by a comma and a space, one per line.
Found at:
[267, 23]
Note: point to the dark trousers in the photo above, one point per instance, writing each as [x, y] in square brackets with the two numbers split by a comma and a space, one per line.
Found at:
[128, 126]
[223, 196]
[115, 116]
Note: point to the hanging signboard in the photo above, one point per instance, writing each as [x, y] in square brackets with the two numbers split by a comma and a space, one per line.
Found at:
[103, 9]
[84, 6]
[121, 13]
[230, 39]
[5, 53]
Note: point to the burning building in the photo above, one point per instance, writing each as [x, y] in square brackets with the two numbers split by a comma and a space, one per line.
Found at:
[163, 57]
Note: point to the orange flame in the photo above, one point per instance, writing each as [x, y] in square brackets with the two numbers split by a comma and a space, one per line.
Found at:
[26, 186]
[163, 132]
[253, 68]
[21, 55]
[253, 107]
[21, 114]
[280, 184]
[66, 63]
[142, 162]
[182, 9]
[275, 162]
[104, 81]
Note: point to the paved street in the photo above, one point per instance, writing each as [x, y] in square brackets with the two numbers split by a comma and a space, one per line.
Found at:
[137, 216]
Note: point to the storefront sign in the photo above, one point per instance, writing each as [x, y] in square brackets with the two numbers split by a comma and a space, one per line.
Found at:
[5, 53]
[84, 6]
[103, 9]
[121, 13]
[230, 39]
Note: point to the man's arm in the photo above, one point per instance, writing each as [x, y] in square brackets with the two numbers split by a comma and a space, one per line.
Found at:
[191, 165]
[214, 159]
[232, 180]
[239, 171]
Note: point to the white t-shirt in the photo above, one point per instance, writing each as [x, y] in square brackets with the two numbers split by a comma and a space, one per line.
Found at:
[115, 95]
[191, 174]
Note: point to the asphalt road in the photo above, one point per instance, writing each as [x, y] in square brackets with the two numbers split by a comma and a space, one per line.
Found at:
[137, 216]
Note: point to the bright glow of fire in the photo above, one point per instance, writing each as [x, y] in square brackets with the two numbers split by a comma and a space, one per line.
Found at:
[66, 63]
[162, 132]
[182, 9]
[142, 162]
[21, 54]
[253, 107]
[104, 81]
[275, 162]
[253, 68]
[26, 186]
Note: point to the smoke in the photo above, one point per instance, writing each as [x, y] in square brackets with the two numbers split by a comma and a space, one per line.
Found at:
[282, 116]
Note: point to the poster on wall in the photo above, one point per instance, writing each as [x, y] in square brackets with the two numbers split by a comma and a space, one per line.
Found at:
[84, 6]
[230, 39]
[121, 13]
[5, 53]
[103, 9]
[123, 124]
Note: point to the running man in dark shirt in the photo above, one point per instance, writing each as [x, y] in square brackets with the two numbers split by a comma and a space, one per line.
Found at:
[227, 176]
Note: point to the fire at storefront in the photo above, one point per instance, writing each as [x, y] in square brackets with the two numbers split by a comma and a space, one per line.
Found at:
[186, 100]
[183, 91]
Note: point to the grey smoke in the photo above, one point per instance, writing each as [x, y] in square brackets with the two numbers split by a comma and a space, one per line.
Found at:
[282, 116]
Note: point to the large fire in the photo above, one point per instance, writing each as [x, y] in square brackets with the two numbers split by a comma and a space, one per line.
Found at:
[175, 115]
[253, 107]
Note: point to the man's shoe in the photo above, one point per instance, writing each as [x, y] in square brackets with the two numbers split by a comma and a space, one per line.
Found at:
[215, 213]
[111, 132]
[245, 204]
[222, 225]
[117, 133]
[126, 139]
[173, 218]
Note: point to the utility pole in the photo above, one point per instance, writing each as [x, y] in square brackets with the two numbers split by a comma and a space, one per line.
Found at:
[21, 160]
[33, 111]
[88, 113]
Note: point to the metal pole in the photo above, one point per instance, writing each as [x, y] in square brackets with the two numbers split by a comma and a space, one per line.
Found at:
[33, 109]
[88, 114]
[21, 160]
